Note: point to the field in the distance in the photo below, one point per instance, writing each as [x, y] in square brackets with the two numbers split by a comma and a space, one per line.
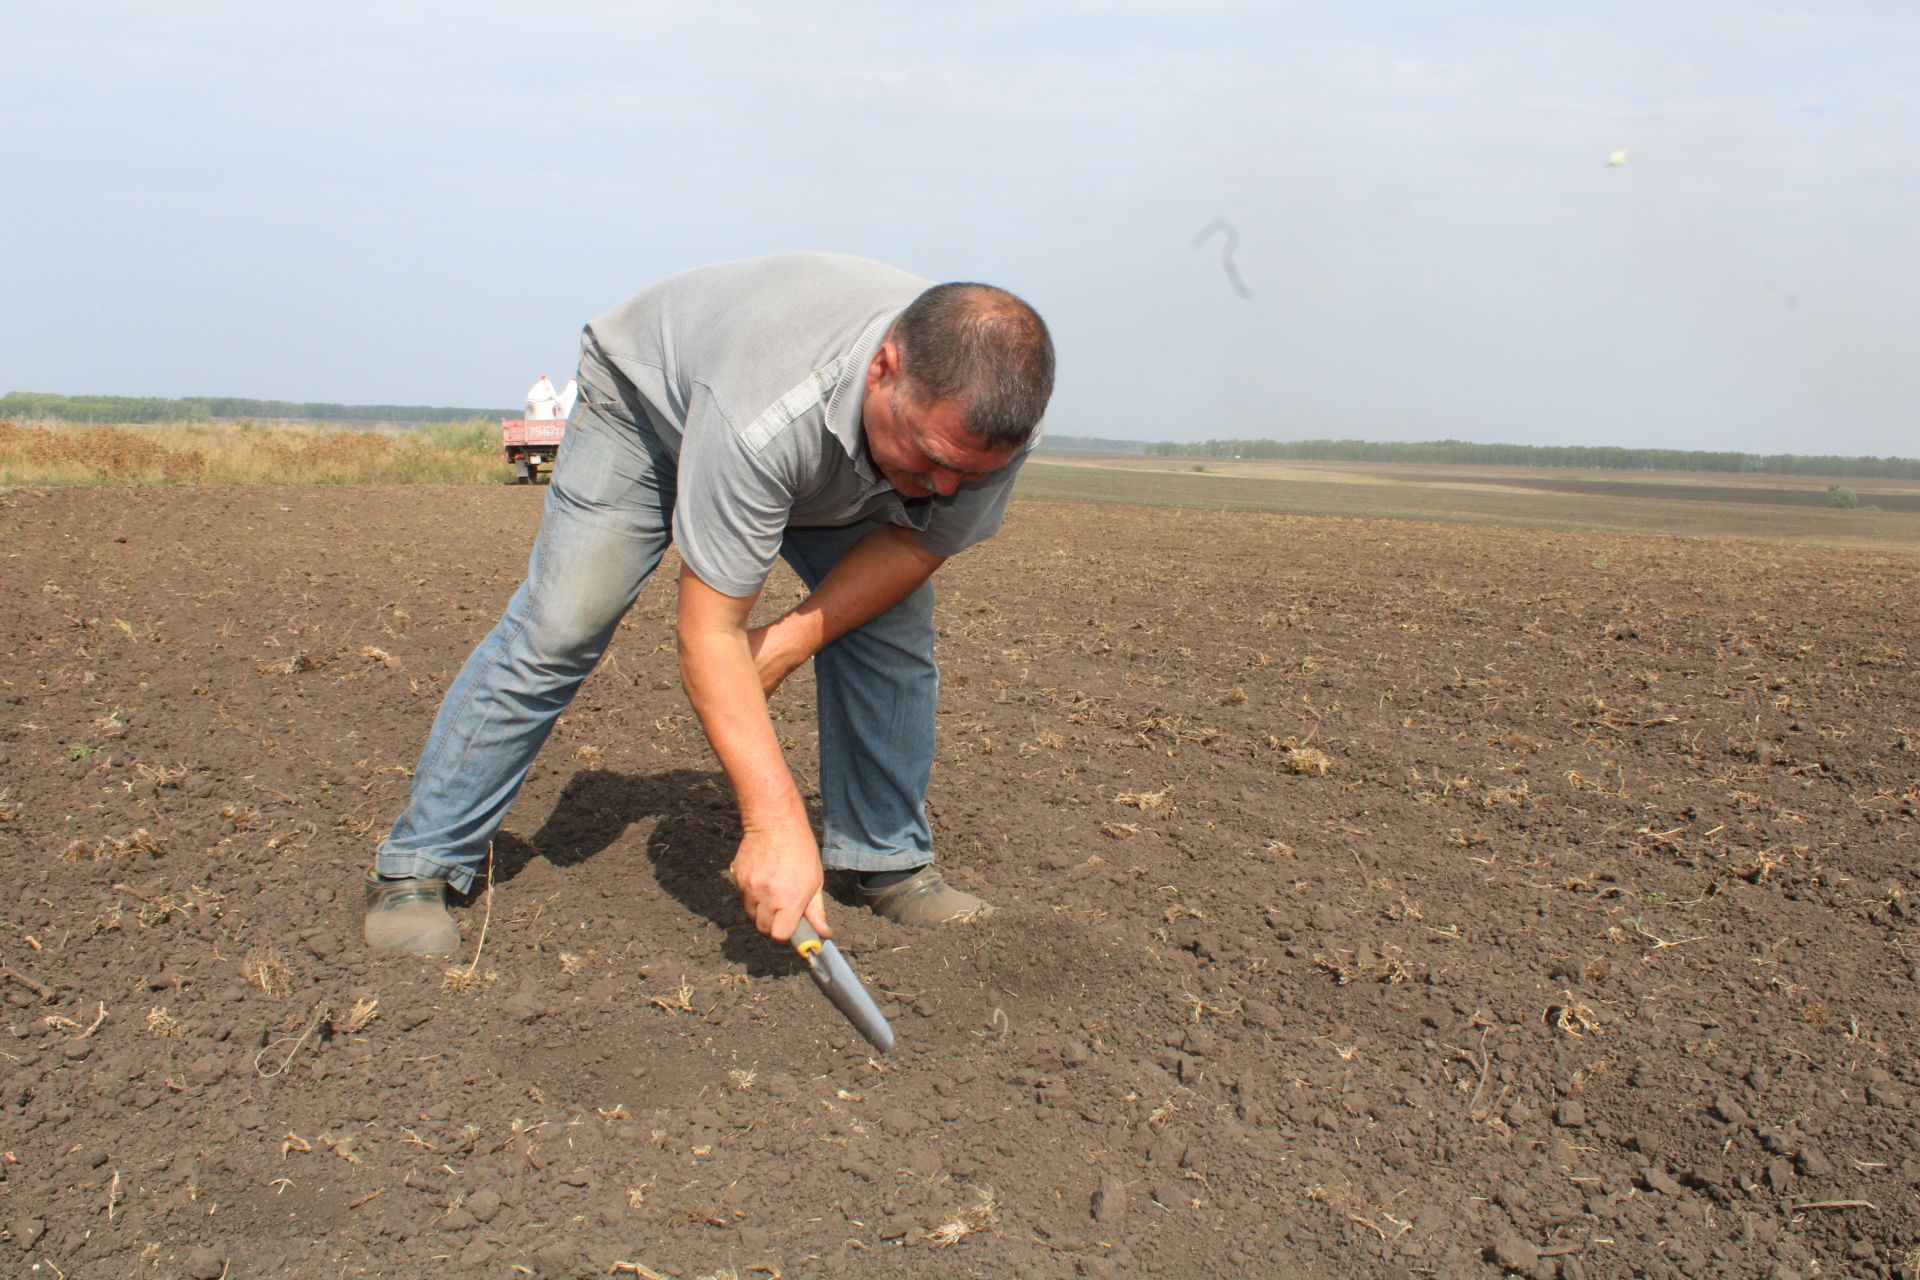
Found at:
[1773, 508]
[1699, 504]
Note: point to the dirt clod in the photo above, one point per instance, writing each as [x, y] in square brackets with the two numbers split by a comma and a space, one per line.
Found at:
[203, 1263]
[1660, 1180]
[484, 1204]
[1728, 1110]
[1515, 1254]
[1110, 1202]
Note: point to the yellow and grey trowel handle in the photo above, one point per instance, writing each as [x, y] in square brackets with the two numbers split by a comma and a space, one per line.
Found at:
[836, 977]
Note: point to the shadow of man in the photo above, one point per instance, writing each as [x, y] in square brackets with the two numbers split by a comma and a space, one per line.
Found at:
[695, 832]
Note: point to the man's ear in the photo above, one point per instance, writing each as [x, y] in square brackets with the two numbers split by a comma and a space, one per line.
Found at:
[884, 367]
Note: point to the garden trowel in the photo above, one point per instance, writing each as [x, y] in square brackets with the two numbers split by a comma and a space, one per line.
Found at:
[835, 977]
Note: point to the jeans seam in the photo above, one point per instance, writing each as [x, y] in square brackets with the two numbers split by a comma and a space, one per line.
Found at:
[506, 640]
[520, 624]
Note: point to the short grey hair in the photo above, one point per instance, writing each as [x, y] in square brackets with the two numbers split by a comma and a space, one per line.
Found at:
[983, 347]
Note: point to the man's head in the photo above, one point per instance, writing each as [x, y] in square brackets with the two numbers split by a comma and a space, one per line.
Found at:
[956, 388]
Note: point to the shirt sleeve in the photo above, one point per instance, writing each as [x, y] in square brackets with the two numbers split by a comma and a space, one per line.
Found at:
[733, 502]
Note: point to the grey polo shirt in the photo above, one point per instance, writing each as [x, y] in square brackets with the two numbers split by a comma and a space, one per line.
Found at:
[752, 373]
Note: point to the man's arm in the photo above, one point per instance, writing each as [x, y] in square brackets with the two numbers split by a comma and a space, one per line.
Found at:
[777, 867]
[727, 671]
[878, 572]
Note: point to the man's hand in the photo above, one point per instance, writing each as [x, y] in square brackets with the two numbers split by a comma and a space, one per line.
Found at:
[778, 875]
[878, 572]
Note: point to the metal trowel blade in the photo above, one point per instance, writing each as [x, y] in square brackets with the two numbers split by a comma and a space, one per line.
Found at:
[835, 976]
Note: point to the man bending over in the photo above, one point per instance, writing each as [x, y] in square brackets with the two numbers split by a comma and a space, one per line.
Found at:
[818, 407]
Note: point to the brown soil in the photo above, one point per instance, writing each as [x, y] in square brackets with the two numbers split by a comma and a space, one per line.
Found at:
[1377, 899]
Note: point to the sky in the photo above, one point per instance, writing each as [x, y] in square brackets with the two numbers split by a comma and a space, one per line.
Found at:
[421, 203]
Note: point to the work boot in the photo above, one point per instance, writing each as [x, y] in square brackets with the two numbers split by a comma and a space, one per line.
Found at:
[922, 899]
[409, 915]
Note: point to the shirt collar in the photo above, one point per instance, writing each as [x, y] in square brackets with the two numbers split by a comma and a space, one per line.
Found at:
[849, 393]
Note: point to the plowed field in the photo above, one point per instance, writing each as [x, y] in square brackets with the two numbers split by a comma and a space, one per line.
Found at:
[1376, 899]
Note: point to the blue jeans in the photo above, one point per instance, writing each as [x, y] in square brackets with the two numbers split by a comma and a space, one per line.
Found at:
[608, 520]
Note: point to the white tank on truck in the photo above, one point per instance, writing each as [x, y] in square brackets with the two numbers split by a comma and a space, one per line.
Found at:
[533, 442]
[541, 401]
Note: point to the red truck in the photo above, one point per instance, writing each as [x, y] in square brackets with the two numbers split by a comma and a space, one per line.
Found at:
[531, 445]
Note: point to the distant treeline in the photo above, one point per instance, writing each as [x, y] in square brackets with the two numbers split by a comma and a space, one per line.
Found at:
[1088, 444]
[38, 404]
[1529, 455]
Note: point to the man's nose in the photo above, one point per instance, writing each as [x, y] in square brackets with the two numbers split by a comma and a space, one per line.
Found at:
[944, 481]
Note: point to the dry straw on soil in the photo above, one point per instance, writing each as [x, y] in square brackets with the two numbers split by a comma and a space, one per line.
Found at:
[266, 969]
[204, 453]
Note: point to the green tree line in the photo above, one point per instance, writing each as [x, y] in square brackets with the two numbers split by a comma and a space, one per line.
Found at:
[40, 404]
[1530, 455]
